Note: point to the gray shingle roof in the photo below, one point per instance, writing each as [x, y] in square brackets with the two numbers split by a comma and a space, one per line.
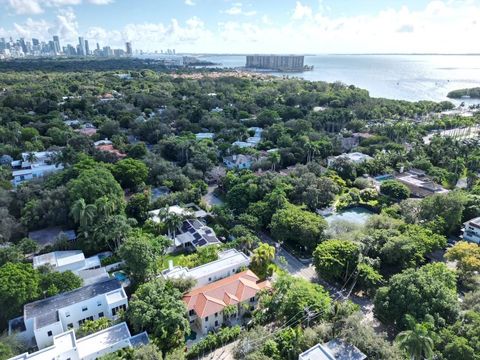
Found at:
[46, 310]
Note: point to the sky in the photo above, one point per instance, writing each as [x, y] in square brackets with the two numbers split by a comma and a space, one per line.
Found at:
[253, 26]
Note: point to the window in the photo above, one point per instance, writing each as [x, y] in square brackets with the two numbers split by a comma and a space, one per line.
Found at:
[191, 312]
[100, 315]
[84, 308]
[49, 333]
[69, 326]
[67, 314]
[206, 318]
[119, 308]
[216, 314]
[99, 303]
[252, 299]
[216, 322]
[90, 318]
[209, 279]
[80, 322]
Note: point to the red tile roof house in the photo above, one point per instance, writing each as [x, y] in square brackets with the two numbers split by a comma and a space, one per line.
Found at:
[110, 149]
[206, 305]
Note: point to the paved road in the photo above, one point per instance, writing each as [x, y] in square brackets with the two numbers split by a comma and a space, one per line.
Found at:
[210, 198]
[222, 353]
[307, 271]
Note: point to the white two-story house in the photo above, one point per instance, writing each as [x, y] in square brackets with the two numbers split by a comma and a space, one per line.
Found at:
[471, 230]
[33, 166]
[229, 263]
[66, 346]
[42, 320]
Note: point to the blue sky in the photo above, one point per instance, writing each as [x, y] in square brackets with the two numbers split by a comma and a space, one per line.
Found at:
[236, 26]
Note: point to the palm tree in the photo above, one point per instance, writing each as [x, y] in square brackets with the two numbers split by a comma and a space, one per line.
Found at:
[247, 241]
[262, 257]
[274, 158]
[104, 206]
[173, 221]
[309, 147]
[416, 341]
[31, 157]
[83, 213]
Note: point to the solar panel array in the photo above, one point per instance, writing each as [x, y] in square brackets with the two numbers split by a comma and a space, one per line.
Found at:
[202, 235]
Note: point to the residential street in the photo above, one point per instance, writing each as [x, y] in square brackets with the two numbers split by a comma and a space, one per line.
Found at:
[307, 271]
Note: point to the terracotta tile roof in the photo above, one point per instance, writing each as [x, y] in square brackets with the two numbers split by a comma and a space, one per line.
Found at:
[111, 149]
[213, 297]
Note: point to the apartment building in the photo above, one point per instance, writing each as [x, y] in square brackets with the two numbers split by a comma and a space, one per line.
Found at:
[229, 263]
[276, 62]
[42, 320]
[67, 347]
[206, 305]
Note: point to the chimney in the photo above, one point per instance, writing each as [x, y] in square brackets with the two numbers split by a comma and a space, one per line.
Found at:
[170, 264]
[234, 157]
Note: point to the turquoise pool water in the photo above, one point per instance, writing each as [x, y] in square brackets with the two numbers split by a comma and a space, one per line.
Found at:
[384, 177]
[120, 276]
[357, 215]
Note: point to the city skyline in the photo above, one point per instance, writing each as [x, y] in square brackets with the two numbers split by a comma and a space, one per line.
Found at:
[267, 26]
[17, 48]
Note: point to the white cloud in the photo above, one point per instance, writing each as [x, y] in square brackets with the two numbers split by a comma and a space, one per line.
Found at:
[190, 3]
[237, 9]
[25, 6]
[35, 7]
[100, 2]
[440, 26]
[302, 11]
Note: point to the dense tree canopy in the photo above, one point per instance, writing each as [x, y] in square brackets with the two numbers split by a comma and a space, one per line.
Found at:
[298, 227]
[430, 290]
[157, 307]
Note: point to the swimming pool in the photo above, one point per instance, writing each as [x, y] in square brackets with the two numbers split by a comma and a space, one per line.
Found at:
[383, 177]
[120, 276]
[357, 215]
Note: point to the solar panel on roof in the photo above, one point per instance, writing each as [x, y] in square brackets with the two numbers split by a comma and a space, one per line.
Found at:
[191, 231]
[202, 242]
[195, 242]
[197, 236]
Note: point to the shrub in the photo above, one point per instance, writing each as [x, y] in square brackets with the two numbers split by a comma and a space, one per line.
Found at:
[213, 341]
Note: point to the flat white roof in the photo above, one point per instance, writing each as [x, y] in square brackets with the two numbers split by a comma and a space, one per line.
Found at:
[189, 210]
[102, 340]
[318, 352]
[227, 259]
[37, 168]
[58, 258]
[62, 343]
[335, 349]
[115, 296]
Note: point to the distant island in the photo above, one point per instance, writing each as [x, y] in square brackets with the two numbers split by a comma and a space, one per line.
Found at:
[472, 93]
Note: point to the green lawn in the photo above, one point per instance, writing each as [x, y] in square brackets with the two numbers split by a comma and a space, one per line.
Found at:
[163, 264]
